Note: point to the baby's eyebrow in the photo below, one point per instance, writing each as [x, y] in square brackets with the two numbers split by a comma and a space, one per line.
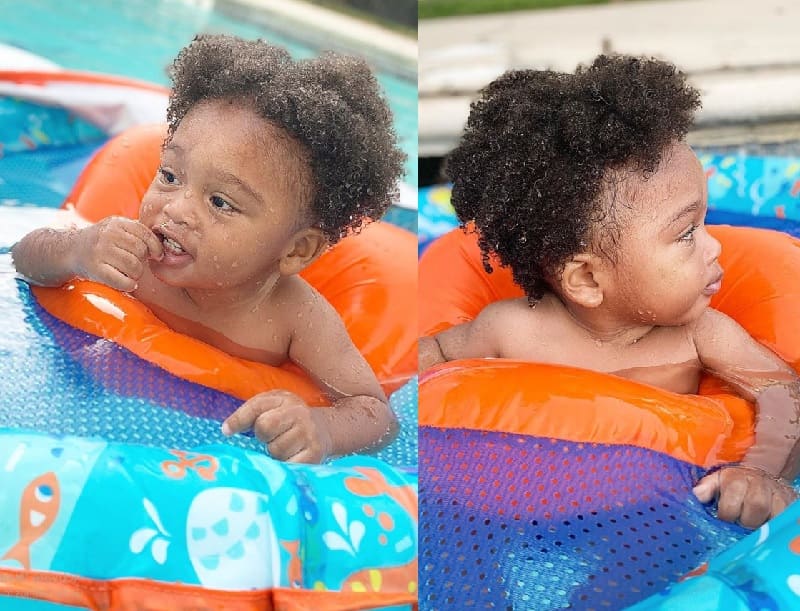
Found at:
[690, 209]
[232, 178]
[173, 148]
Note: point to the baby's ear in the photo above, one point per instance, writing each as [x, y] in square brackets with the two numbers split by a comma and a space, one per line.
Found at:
[303, 249]
[581, 280]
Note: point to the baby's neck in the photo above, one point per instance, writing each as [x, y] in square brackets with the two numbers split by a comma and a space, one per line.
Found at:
[231, 301]
[602, 328]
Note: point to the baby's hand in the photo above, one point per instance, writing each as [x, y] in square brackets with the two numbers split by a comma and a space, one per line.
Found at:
[115, 251]
[291, 430]
[745, 494]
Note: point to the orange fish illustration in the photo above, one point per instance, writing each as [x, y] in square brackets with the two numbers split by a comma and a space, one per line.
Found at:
[37, 512]
[375, 484]
[295, 566]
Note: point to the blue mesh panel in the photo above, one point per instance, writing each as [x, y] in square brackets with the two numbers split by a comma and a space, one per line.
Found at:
[516, 522]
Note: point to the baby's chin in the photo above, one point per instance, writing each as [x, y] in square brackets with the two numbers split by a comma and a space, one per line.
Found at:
[688, 317]
[168, 276]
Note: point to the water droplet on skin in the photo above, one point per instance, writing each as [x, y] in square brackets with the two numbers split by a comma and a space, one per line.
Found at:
[234, 265]
[299, 315]
[269, 320]
[187, 194]
[598, 343]
[219, 284]
[216, 258]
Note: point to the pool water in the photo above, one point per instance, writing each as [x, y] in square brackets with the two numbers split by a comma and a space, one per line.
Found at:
[139, 39]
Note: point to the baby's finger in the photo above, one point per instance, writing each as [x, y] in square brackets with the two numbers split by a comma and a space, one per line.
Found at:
[111, 276]
[286, 445]
[781, 499]
[126, 262]
[154, 246]
[306, 456]
[733, 488]
[271, 425]
[758, 503]
[245, 417]
[707, 488]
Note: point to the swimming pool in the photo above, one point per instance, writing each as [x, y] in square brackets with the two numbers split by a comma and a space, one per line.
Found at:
[139, 38]
[85, 425]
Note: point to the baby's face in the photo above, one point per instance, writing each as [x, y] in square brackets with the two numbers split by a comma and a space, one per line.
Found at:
[225, 199]
[667, 268]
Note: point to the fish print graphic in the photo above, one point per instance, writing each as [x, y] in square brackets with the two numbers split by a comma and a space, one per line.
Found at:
[39, 506]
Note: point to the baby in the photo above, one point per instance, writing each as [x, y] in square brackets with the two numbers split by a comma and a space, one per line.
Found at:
[584, 186]
[267, 162]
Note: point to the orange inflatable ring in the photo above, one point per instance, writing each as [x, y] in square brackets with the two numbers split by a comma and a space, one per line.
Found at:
[760, 291]
[369, 278]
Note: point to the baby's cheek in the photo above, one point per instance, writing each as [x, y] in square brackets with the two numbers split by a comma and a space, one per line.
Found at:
[152, 202]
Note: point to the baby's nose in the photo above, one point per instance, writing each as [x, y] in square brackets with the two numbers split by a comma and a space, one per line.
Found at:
[181, 208]
[714, 248]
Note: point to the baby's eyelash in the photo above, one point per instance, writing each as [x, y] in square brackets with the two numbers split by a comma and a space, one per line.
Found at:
[224, 205]
[167, 176]
[688, 236]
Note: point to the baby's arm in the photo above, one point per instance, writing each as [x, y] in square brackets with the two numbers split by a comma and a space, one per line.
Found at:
[474, 339]
[359, 418]
[756, 490]
[113, 251]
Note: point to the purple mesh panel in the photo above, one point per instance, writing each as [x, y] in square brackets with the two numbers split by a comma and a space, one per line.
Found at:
[123, 373]
[517, 522]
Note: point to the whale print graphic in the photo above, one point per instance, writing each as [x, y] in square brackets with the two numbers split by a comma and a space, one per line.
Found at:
[37, 512]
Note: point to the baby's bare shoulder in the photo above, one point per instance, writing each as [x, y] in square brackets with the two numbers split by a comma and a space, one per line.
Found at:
[509, 311]
[514, 325]
[713, 326]
[297, 303]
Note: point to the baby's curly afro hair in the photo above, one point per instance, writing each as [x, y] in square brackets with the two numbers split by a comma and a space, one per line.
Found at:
[540, 146]
[331, 105]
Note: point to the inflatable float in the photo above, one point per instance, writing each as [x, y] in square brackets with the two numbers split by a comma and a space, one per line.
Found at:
[54, 120]
[546, 487]
[123, 491]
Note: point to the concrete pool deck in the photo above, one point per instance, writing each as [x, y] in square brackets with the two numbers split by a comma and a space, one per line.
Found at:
[744, 56]
[323, 28]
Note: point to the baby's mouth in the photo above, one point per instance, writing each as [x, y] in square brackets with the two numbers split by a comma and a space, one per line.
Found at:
[170, 244]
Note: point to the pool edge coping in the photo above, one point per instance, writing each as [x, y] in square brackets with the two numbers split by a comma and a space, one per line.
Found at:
[324, 28]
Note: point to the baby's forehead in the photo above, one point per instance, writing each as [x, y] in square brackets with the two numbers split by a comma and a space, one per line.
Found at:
[231, 138]
[677, 180]
[271, 141]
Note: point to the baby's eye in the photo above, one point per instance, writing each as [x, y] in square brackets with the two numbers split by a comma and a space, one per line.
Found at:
[221, 204]
[688, 236]
[167, 176]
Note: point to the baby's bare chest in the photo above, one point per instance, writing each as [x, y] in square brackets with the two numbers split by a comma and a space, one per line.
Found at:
[255, 334]
[665, 358]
